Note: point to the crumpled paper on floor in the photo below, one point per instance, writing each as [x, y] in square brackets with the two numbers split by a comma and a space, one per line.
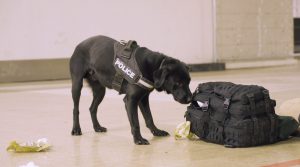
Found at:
[182, 131]
[37, 146]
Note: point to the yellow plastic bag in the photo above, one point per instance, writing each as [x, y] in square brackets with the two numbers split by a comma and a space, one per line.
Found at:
[182, 131]
[38, 146]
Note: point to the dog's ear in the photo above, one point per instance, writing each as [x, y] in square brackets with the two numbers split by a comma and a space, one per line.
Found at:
[187, 67]
[159, 77]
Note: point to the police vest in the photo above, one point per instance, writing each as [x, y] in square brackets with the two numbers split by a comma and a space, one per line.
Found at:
[126, 66]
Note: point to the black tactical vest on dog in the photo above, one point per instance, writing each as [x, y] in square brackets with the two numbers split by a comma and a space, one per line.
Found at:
[126, 66]
[233, 115]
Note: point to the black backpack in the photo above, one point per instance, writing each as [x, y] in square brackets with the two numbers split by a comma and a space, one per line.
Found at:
[233, 115]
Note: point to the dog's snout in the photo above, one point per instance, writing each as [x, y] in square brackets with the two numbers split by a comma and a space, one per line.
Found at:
[186, 99]
[189, 98]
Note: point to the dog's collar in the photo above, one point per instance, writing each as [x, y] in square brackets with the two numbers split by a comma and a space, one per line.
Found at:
[162, 63]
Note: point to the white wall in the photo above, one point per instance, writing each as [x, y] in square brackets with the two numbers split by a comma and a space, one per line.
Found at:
[296, 8]
[40, 29]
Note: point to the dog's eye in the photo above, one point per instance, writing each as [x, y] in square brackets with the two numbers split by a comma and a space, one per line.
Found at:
[177, 85]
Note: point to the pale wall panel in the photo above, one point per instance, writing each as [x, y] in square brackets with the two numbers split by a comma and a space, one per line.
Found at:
[42, 29]
[254, 29]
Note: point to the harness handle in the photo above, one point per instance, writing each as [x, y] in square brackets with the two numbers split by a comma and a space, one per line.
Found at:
[130, 45]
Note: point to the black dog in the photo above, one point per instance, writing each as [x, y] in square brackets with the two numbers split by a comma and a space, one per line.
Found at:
[93, 60]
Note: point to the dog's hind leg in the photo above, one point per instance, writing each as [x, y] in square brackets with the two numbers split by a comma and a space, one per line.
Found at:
[76, 92]
[98, 95]
[77, 71]
[145, 109]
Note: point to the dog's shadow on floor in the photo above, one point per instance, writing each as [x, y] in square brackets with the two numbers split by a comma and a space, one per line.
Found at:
[158, 138]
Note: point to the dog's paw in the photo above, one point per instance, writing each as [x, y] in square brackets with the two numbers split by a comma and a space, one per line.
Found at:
[100, 129]
[158, 132]
[76, 132]
[141, 141]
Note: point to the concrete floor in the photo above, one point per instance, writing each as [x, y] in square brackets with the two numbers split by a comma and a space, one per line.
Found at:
[44, 109]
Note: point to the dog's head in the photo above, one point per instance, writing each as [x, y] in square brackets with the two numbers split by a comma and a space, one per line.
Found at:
[173, 77]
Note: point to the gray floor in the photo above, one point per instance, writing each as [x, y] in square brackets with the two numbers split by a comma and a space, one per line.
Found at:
[44, 109]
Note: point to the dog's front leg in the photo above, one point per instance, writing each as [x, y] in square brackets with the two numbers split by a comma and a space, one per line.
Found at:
[131, 103]
[145, 109]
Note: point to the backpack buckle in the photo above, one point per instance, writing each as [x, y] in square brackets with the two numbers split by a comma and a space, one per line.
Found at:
[226, 103]
[205, 106]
